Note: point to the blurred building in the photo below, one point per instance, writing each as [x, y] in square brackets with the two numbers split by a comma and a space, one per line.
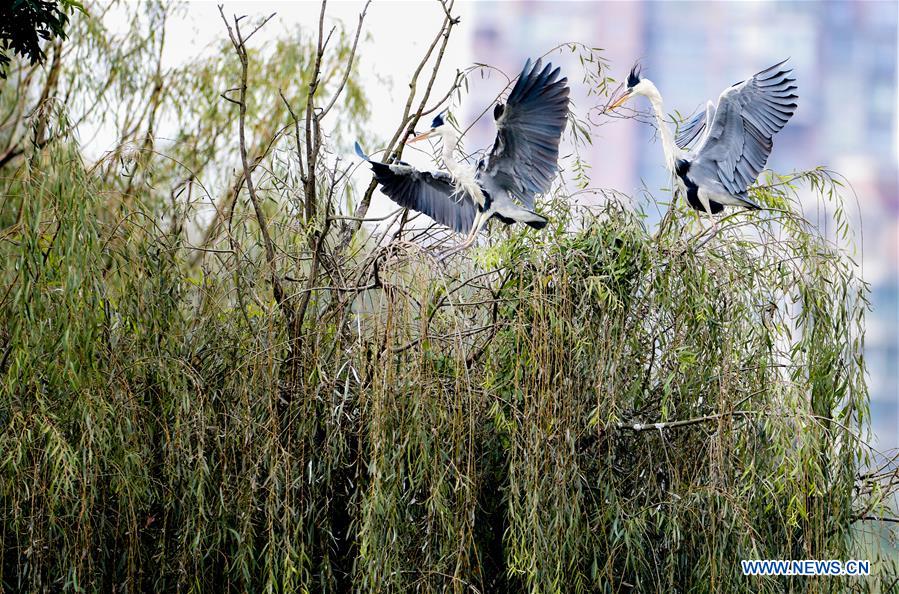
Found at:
[845, 59]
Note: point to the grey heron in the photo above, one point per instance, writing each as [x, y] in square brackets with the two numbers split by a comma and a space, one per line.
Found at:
[735, 137]
[521, 164]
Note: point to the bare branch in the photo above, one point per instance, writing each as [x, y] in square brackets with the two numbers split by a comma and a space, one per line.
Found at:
[453, 88]
[407, 122]
[370, 220]
[241, 51]
[296, 130]
[349, 66]
[684, 423]
[311, 122]
[261, 25]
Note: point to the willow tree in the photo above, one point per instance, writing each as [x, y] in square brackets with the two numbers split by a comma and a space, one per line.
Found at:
[217, 374]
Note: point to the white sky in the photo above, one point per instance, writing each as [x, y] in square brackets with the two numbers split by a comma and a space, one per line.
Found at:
[395, 36]
[400, 41]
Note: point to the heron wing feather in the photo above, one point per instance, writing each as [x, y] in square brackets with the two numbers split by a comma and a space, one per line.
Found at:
[524, 158]
[431, 193]
[748, 116]
[693, 129]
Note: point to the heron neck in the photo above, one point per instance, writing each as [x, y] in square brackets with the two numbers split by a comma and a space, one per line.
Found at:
[463, 175]
[449, 146]
[669, 148]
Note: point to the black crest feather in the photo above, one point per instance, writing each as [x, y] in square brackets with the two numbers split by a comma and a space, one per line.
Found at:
[634, 77]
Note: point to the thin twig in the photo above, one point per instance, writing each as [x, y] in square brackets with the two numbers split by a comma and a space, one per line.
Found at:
[349, 66]
[239, 47]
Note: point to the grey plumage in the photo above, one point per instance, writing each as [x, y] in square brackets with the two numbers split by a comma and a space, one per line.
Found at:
[737, 145]
[733, 138]
[694, 128]
[432, 193]
[524, 158]
[520, 165]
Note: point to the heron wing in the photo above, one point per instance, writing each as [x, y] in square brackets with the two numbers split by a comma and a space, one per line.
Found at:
[693, 129]
[749, 114]
[431, 193]
[525, 155]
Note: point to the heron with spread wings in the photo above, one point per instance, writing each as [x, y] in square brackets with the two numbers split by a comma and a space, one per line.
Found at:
[521, 164]
[734, 138]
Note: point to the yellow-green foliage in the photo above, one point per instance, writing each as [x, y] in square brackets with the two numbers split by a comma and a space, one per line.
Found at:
[474, 428]
[597, 407]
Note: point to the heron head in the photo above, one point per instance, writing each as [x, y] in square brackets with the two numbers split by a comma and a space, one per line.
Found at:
[633, 79]
[636, 85]
[439, 125]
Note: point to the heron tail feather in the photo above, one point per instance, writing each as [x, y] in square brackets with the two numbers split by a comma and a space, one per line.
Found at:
[537, 222]
[360, 152]
[744, 198]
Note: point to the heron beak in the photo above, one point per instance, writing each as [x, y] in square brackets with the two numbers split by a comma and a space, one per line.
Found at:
[420, 137]
[621, 100]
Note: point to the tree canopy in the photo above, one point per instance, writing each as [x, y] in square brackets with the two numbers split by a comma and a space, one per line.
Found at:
[24, 24]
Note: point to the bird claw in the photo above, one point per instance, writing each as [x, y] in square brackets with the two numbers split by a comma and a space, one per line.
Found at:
[712, 233]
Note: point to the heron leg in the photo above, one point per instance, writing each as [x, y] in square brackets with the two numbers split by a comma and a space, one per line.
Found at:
[711, 235]
[480, 220]
[706, 205]
[708, 209]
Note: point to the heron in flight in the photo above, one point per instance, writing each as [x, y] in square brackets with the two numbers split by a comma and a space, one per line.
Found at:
[735, 137]
[521, 164]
